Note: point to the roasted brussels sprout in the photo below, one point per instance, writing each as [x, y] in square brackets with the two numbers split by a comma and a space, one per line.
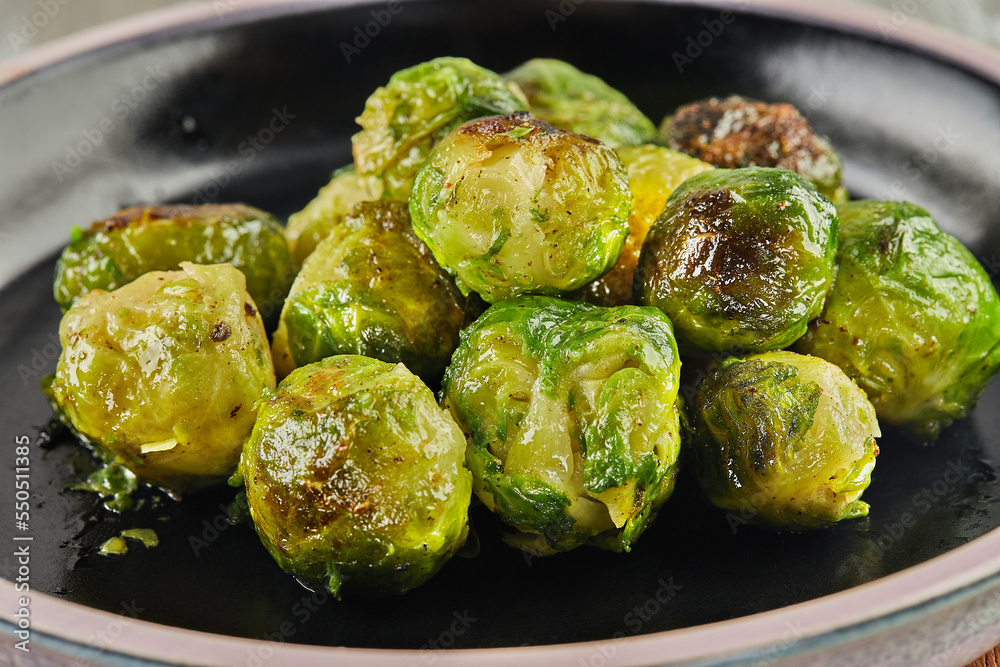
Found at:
[512, 205]
[137, 240]
[372, 288]
[572, 418]
[335, 200]
[653, 173]
[354, 477]
[785, 440]
[740, 259]
[164, 373]
[739, 132]
[560, 94]
[417, 108]
[913, 318]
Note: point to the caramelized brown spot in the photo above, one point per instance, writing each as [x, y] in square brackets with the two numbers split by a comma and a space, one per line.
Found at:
[128, 216]
[249, 309]
[233, 412]
[220, 332]
[738, 132]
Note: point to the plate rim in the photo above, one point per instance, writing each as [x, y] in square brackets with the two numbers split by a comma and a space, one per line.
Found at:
[934, 584]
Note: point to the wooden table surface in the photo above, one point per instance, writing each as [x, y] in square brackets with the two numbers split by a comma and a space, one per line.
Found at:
[991, 659]
[977, 19]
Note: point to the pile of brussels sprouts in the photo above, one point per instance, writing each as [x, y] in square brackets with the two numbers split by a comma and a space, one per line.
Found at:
[532, 248]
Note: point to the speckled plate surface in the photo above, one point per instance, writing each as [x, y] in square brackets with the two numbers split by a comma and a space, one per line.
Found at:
[255, 101]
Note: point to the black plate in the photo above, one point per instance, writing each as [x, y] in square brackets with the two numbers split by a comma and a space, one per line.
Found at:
[171, 120]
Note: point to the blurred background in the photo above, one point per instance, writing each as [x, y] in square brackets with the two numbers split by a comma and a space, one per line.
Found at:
[25, 24]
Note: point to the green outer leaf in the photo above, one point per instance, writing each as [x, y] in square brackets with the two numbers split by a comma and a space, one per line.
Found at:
[740, 259]
[403, 121]
[785, 440]
[608, 372]
[372, 288]
[135, 241]
[555, 206]
[912, 317]
[354, 477]
[560, 94]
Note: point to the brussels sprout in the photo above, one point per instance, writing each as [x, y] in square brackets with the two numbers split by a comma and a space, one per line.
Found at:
[786, 440]
[335, 200]
[560, 94]
[560, 199]
[163, 373]
[419, 106]
[372, 288]
[653, 173]
[912, 317]
[740, 259]
[354, 477]
[739, 132]
[137, 240]
[572, 418]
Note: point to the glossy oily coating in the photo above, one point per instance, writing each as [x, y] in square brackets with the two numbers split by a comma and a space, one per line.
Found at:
[739, 132]
[913, 317]
[327, 210]
[372, 288]
[572, 417]
[137, 240]
[653, 174]
[403, 120]
[740, 259]
[783, 440]
[163, 374]
[354, 477]
[511, 205]
[560, 94]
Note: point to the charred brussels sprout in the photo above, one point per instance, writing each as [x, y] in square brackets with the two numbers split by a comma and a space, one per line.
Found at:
[912, 317]
[372, 288]
[787, 441]
[560, 94]
[740, 259]
[354, 477]
[320, 216]
[417, 108]
[653, 173]
[739, 132]
[512, 205]
[164, 373]
[572, 418]
[137, 240]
